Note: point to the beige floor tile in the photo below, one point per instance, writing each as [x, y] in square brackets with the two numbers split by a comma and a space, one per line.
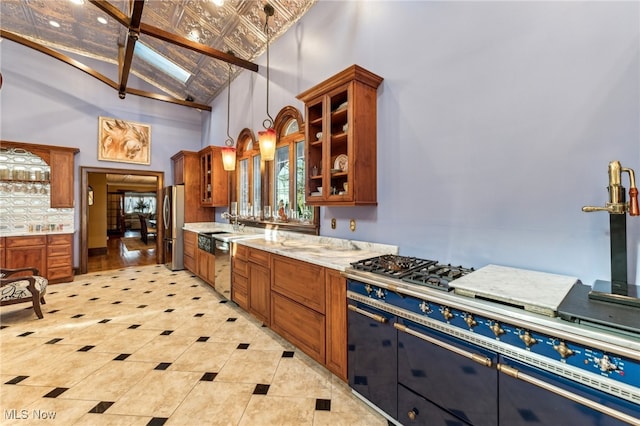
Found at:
[127, 341]
[17, 397]
[163, 349]
[213, 403]
[294, 378]
[248, 366]
[205, 357]
[158, 394]
[110, 382]
[266, 410]
[330, 418]
[69, 371]
[30, 363]
[113, 420]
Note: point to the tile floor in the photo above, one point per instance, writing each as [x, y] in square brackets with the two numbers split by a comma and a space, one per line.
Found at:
[147, 346]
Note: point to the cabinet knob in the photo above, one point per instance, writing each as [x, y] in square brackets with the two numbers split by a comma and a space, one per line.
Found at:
[412, 414]
[446, 313]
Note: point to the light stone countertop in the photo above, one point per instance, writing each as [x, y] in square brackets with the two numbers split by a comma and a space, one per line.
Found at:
[333, 253]
[35, 234]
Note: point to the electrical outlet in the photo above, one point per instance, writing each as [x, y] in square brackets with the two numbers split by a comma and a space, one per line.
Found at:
[333, 223]
[352, 225]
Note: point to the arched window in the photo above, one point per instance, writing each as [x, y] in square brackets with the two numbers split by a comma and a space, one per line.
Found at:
[278, 186]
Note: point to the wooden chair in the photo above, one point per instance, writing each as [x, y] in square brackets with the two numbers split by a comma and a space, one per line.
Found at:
[22, 288]
[146, 231]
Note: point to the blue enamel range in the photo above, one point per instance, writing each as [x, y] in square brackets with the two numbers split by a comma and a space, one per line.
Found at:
[423, 272]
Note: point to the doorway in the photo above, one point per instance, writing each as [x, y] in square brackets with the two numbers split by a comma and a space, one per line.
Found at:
[154, 191]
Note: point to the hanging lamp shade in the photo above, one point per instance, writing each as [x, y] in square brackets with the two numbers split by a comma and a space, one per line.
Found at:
[229, 158]
[267, 140]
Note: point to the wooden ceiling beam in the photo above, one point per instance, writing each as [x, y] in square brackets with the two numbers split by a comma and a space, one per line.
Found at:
[93, 73]
[134, 33]
[203, 49]
[112, 11]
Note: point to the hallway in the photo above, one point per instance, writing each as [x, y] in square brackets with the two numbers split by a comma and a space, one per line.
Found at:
[118, 256]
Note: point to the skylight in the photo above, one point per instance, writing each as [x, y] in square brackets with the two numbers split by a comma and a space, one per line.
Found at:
[158, 61]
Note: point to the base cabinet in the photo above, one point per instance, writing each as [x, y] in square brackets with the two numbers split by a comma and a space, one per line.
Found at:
[190, 246]
[206, 266]
[60, 258]
[303, 302]
[27, 252]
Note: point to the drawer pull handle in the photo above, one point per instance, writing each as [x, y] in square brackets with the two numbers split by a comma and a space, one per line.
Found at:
[375, 317]
[480, 359]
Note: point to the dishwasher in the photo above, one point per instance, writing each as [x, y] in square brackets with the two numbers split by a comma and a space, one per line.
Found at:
[222, 252]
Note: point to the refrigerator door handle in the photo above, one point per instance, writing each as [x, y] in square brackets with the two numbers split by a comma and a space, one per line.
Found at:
[166, 208]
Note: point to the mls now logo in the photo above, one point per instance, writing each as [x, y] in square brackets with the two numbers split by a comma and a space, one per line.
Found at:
[15, 414]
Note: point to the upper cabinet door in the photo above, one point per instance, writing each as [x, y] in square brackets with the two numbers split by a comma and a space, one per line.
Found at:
[62, 167]
[214, 180]
[341, 131]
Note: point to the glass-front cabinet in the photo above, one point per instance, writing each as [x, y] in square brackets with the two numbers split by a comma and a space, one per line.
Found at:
[341, 133]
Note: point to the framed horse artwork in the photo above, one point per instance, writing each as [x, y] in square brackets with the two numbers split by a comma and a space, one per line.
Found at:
[124, 141]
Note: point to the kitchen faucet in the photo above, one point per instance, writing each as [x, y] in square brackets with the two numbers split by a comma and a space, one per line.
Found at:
[229, 216]
[617, 207]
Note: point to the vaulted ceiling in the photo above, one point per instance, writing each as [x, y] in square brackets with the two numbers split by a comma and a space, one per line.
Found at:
[197, 35]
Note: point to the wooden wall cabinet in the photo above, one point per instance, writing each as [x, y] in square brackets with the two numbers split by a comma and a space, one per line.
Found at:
[186, 171]
[61, 163]
[214, 180]
[342, 160]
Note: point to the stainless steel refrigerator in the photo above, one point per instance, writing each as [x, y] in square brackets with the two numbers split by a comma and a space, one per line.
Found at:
[173, 221]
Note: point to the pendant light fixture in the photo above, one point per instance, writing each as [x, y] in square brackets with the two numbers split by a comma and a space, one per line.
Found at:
[267, 137]
[229, 150]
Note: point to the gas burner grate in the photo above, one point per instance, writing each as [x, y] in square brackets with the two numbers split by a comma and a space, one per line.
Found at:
[390, 265]
[436, 276]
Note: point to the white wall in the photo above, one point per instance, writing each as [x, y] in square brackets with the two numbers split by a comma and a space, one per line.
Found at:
[496, 122]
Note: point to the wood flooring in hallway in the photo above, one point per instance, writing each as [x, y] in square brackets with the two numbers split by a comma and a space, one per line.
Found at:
[118, 256]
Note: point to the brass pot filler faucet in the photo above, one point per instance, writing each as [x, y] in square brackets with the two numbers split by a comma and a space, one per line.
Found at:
[617, 207]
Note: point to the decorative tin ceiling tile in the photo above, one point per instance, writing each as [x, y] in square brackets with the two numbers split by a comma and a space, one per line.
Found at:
[237, 26]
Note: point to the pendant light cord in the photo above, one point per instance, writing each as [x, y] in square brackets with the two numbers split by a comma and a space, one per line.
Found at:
[229, 141]
[268, 11]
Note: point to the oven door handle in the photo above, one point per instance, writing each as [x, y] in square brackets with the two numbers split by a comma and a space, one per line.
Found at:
[480, 359]
[375, 317]
[517, 374]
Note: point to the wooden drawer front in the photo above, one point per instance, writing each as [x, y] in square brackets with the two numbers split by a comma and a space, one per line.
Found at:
[59, 250]
[59, 239]
[240, 267]
[60, 274]
[259, 256]
[302, 326]
[239, 291]
[56, 261]
[2, 242]
[240, 252]
[300, 281]
[26, 241]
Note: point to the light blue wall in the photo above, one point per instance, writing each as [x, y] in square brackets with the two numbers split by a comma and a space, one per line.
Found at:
[496, 121]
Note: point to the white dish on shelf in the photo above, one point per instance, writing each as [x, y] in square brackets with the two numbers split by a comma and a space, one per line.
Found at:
[341, 163]
[316, 193]
[342, 106]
